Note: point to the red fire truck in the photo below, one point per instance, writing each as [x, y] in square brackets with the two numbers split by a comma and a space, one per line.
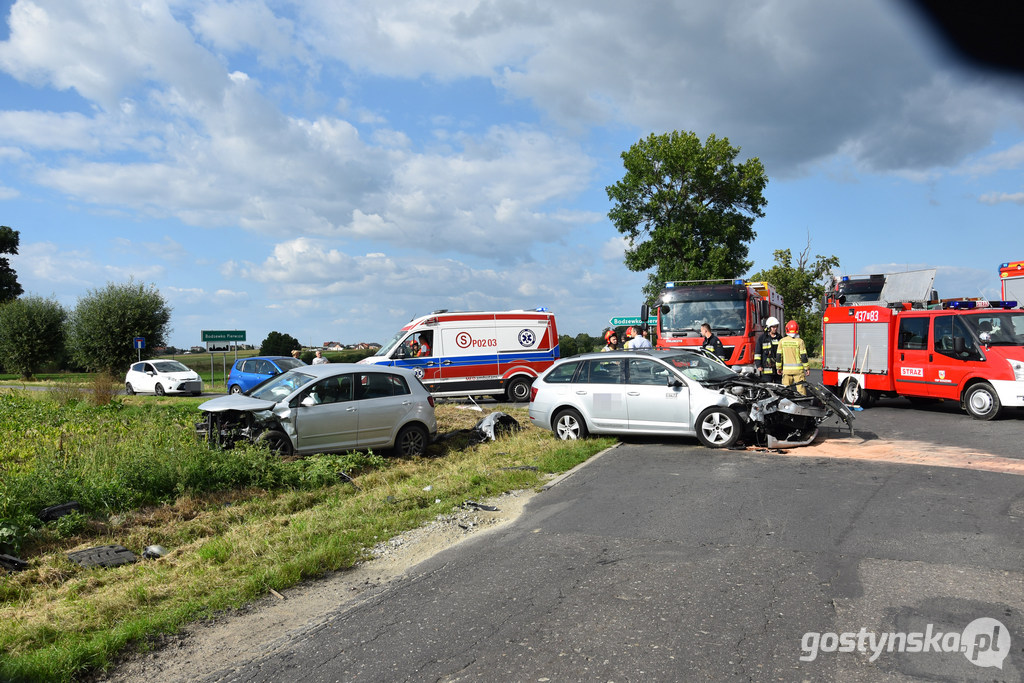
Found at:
[855, 289]
[967, 351]
[734, 309]
[1011, 275]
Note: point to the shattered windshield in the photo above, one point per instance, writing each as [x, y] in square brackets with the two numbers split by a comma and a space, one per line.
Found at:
[724, 317]
[699, 368]
[997, 328]
[390, 346]
[276, 388]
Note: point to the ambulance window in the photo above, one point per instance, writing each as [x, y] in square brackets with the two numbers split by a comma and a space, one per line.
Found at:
[913, 334]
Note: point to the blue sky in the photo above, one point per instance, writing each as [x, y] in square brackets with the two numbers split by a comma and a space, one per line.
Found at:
[331, 170]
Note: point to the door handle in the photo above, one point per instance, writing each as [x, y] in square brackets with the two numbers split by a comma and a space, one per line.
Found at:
[633, 393]
[581, 392]
[446, 362]
[351, 410]
[901, 356]
[930, 358]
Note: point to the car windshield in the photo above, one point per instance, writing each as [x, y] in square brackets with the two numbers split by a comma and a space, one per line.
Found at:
[276, 388]
[1002, 328]
[699, 368]
[724, 317]
[289, 363]
[170, 366]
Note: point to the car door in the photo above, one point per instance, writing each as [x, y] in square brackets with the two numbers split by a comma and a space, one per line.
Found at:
[326, 418]
[383, 400]
[147, 378]
[950, 369]
[652, 405]
[913, 356]
[601, 392]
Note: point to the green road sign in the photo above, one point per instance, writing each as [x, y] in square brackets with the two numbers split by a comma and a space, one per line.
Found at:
[619, 322]
[223, 335]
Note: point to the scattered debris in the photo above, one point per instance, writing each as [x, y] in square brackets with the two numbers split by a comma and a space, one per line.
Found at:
[103, 556]
[57, 511]
[154, 551]
[496, 424]
[473, 505]
[531, 468]
[277, 595]
[12, 564]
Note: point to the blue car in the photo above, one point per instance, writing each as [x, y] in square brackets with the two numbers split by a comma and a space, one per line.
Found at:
[248, 372]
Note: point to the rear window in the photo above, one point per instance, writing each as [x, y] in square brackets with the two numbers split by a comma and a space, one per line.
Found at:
[562, 374]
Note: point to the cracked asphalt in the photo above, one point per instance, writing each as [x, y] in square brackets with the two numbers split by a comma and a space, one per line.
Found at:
[664, 561]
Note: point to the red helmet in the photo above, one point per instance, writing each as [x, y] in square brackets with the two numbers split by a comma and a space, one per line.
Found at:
[630, 332]
[609, 334]
[791, 326]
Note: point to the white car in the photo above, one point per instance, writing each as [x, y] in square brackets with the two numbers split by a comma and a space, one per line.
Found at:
[334, 407]
[162, 377]
[675, 393]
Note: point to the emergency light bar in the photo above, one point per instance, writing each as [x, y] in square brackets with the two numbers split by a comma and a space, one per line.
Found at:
[968, 305]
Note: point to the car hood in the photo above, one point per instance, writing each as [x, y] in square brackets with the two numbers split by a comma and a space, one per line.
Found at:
[180, 375]
[236, 402]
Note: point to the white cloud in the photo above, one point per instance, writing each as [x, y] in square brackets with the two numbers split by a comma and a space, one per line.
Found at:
[1002, 198]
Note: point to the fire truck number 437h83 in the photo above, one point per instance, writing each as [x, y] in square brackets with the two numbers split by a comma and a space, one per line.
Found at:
[968, 351]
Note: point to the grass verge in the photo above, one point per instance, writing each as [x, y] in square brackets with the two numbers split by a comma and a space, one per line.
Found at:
[227, 545]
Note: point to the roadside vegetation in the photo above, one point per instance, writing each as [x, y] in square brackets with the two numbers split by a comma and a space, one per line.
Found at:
[235, 524]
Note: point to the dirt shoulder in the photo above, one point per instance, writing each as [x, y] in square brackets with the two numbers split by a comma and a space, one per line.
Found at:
[239, 636]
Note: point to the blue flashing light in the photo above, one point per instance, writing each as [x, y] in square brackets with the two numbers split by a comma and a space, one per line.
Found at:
[1005, 265]
[738, 282]
[846, 278]
[670, 285]
[962, 305]
[1005, 304]
[541, 309]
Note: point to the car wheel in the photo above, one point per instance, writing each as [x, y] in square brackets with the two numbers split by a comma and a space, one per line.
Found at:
[128, 389]
[569, 425]
[518, 390]
[411, 441]
[982, 402]
[277, 441]
[719, 427]
[853, 393]
[159, 389]
[235, 389]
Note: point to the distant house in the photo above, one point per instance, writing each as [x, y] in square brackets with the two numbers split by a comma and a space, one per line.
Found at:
[368, 346]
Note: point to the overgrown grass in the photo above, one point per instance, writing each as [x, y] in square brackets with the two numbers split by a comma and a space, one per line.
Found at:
[236, 523]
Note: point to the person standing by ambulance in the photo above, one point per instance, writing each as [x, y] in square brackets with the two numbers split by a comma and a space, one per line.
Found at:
[766, 350]
[791, 361]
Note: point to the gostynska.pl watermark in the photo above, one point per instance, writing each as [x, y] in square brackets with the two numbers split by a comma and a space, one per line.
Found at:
[984, 642]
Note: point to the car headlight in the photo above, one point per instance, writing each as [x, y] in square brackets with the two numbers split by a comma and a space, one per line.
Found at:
[1018, 369]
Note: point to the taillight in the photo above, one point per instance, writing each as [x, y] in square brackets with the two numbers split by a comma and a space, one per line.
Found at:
[533, 393]
[430, 400]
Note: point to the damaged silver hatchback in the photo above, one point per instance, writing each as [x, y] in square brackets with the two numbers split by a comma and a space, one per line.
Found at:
[677, 392]
[326, 408]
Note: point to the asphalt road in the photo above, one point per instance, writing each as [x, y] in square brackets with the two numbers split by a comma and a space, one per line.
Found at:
[670, 562]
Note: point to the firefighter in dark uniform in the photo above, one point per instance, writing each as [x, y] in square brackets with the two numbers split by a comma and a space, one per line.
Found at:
[712, 343]
[766, 350]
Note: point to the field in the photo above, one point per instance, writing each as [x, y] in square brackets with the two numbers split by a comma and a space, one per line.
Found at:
[235, 524]
[213, 368]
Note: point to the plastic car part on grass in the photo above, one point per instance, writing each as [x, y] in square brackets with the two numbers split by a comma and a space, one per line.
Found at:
[12, 564]
[103, 556]
[57, 511]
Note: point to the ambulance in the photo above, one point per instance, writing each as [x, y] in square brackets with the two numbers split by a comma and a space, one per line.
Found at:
[471, 353]
[969, 351]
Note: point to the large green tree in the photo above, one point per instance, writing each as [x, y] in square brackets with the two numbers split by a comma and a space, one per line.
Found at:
[279, 344]
[9, 287]
[31, 334]
[103, 325]
[687, 208]
[803, 286]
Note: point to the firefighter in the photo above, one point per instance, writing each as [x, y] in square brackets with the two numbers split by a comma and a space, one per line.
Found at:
[630, 338]
[712, 343]
[791, 358]
[766, 350]
[611, 340]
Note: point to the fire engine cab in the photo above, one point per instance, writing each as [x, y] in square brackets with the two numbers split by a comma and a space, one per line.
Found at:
[968, 351]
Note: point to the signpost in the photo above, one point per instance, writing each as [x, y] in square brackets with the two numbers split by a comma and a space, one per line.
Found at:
[619, 322]
[223, 335]
[140, 343]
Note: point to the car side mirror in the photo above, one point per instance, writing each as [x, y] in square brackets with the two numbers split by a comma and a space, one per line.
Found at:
[674, 382]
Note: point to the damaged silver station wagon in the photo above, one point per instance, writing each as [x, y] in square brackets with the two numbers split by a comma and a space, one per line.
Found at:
[326, 408]
[678, 392]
